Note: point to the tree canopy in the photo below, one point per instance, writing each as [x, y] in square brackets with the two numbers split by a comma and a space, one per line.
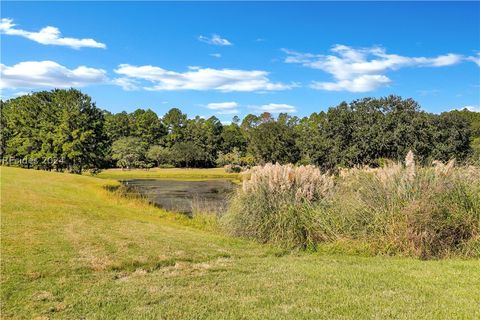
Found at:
[64, 130]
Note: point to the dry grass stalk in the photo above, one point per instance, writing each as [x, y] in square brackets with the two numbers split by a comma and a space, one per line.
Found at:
[307, 182]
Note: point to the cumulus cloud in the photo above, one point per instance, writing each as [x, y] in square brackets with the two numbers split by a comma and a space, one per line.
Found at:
[48, 36]
[215, 40]
[216, 55]
[127, 84]
[224, 107]
[276, 108]
[475, 59]
[364, 69]
[363, 83]
[40, 74]
[201, 79]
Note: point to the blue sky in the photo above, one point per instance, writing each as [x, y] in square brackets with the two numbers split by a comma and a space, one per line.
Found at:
[237, 58]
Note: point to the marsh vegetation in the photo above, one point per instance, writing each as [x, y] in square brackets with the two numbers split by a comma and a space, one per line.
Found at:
[406, 209]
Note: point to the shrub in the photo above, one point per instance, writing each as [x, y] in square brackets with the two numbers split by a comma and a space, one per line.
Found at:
[399, 208]
[418, 211]
[231, 158]
[231, 168]
[275, 204]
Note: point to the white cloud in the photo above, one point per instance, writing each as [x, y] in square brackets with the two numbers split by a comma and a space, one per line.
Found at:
[363, 83]
[216, 55]
[48, 35]
[201, 79]
[275, 108]
[224, 107]
[127, 84]
[215, 40]
[362, 70]
[472, 108]
[475, 59]
[39, 74]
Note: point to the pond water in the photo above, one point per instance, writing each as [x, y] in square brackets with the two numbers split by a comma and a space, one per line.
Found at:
[185, 196]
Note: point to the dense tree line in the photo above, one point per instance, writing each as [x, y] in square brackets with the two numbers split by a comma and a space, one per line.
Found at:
[64, 130]
[60, 129]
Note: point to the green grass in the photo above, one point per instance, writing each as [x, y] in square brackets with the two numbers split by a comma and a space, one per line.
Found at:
[173, 173]
[72, 250]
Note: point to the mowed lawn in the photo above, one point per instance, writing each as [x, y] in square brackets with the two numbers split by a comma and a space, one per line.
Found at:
[71, 250]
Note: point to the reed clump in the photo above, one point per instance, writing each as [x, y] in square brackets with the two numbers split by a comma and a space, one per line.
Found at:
[401, 208]
[276, 204]
[431, 211]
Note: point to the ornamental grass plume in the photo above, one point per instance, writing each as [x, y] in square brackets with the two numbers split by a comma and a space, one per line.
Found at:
[431, 211]
[276, 204]
[307, 182]
[410, 166]
[400, 208]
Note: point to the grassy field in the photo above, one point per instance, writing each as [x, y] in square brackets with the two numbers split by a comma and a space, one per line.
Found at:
[72, 250]
[173, 173]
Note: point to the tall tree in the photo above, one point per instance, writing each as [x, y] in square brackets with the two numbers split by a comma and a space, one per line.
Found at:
[129, 152]
[175, 122]
[61, 129]
[273, 141]
[80, 133]
[117, 125]
[146, 125]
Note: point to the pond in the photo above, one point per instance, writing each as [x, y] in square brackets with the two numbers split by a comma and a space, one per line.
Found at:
[185, 196]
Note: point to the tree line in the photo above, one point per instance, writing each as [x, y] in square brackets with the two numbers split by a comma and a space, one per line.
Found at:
[65, 130]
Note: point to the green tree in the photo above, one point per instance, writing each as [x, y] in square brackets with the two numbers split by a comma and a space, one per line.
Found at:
[274, 141]
[452, 137]
[117, 125]
[187, 154]
[231, 158]
[58, 129]
[160, 155]
[129, 152]
[231, 138]
[146, 125]
[175, 122]
[80, 133]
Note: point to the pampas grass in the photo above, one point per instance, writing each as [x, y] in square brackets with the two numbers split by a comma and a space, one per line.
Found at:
[276, 204]
[417, 211]
[401, 208]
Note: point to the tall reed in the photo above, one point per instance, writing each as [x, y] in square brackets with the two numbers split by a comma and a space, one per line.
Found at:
[275, 204]
[427, 212]
[402, 208]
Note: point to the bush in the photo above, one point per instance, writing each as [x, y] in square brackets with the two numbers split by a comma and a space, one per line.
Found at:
[275, 204]
[425, 212]
[402, 209]
[231, 168]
